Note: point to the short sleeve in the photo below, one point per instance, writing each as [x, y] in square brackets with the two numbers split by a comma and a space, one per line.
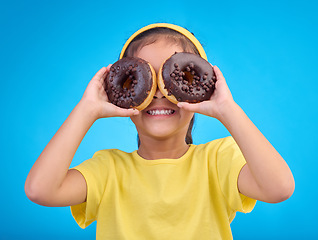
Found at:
[95, 173]
[230, 161]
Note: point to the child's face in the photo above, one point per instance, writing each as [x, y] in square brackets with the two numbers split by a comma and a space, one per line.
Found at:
[173, 121]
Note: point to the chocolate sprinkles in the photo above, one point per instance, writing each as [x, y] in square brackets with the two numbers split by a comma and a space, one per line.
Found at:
[129, 82]
[188, 77]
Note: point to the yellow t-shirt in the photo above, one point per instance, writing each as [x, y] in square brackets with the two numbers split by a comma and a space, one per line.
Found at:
[193, 197]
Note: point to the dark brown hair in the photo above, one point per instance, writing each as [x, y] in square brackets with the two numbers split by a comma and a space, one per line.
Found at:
[152, 35]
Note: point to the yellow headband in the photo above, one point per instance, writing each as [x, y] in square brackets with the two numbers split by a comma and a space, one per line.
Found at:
[179, 29]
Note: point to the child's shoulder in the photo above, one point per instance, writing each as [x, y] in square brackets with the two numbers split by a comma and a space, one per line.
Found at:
[111, 153]
[219, 143]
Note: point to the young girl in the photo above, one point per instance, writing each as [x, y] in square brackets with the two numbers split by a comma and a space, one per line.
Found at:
[168, 188]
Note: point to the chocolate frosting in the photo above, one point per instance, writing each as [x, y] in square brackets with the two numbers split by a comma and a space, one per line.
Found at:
[128, 82]
[188, 77]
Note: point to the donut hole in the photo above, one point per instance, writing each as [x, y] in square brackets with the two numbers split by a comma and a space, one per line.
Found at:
[188, 77]
[127, 83]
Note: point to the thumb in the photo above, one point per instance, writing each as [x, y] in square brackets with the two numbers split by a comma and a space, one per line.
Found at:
[202, 107]
[122, 112]
[188, 106]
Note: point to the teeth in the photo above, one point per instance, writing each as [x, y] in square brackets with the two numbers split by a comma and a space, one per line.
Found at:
[160, 112]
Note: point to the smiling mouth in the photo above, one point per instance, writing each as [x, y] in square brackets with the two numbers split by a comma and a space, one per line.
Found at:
[161, 112]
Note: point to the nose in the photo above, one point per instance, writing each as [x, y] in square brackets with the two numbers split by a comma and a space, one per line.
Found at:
[158, 94]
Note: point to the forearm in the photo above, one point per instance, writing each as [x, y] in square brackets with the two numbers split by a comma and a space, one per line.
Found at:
[266, 176]
[269, 170]
[50, 169]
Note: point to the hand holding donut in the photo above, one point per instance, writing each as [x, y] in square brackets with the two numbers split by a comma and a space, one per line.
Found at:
[96, 98]
[185, 79]
[212, 107]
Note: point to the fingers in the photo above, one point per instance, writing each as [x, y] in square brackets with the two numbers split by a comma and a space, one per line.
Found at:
[103, 78]
[189, 107]
[218, 73]
[221, 85]
[121, 112]
[101, 74]
[108, 67]
[111, 110]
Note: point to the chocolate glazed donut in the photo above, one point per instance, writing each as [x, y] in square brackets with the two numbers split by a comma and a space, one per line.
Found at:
[131, 83]
[186, 77]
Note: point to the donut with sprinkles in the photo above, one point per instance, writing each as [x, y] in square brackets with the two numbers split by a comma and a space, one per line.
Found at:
[186, 77]
[131, 83]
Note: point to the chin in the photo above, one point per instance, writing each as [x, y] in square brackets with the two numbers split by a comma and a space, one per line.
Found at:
[162, 127]
[161, 133]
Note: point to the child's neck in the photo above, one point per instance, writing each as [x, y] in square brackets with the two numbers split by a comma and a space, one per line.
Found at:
[152, 149]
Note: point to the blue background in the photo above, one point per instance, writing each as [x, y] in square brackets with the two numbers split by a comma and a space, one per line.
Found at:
[267, 51]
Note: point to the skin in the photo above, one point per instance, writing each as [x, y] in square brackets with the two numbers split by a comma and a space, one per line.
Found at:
[265, 177]
[161, 136]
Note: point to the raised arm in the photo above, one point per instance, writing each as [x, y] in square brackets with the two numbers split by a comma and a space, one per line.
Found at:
[50, 182]
[266, 176]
